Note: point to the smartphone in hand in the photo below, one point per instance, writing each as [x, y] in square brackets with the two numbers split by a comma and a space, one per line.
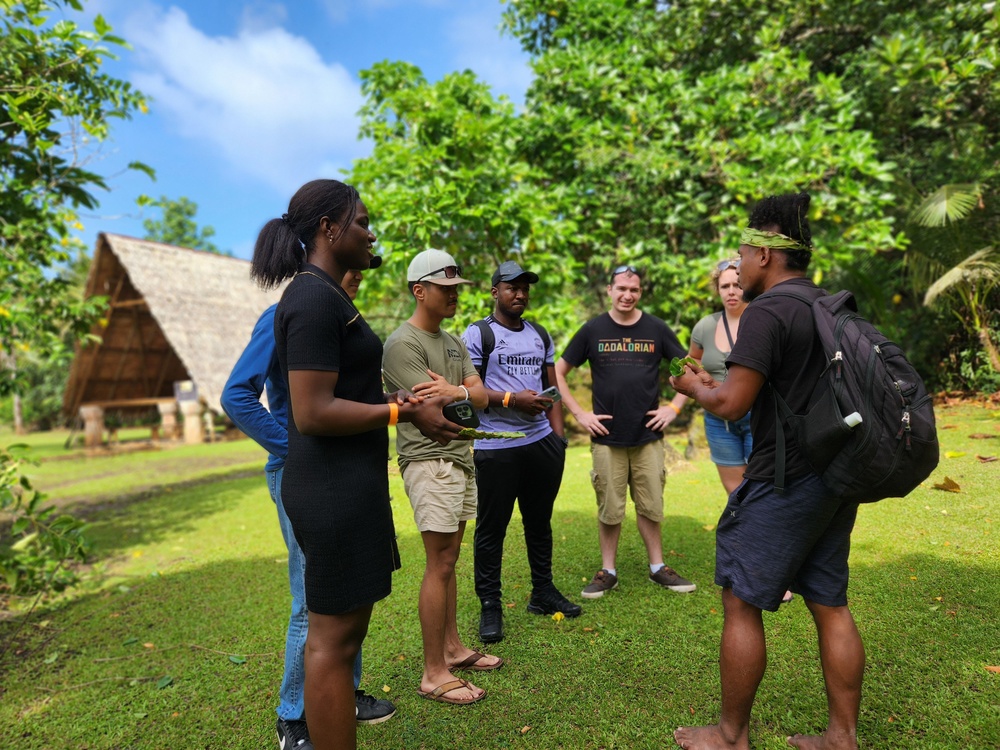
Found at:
[461, 413]
[552, 392]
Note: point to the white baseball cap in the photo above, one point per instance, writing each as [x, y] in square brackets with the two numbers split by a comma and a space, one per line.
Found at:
[435, 266]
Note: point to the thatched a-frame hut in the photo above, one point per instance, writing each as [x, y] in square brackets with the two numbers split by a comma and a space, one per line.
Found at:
[174, 316]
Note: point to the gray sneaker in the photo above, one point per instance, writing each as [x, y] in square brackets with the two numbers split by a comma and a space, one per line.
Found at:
[669, 579]
[601, 582]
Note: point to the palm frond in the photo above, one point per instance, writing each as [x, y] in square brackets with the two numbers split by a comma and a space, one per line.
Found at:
[982, 265]
[947, 204]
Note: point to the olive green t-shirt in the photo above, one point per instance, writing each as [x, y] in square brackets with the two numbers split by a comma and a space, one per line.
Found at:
[409, 352]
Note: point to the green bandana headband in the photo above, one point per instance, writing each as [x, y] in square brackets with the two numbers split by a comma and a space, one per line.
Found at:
[774, 240]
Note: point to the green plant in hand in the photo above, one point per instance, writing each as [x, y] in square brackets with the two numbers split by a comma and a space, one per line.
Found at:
[471, 433]
[677, 365]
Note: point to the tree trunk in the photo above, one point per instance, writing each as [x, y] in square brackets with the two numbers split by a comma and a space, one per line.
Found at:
[990, 348]
[18, 417]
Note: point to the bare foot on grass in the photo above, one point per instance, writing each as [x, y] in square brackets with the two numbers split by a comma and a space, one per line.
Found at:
[707, 738]
[823, 742]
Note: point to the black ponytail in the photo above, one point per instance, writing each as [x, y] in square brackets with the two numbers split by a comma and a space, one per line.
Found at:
[284, 243]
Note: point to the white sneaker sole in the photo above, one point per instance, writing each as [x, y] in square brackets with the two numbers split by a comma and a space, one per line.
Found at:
[597, 594]
[685, 589]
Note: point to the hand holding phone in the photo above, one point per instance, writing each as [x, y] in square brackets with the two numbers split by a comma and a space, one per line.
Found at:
[552, 392]
[462, 413]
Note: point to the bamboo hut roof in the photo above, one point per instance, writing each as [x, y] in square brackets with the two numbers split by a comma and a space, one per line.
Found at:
[173, 314]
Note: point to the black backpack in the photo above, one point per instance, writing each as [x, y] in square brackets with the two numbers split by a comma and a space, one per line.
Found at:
[490, 342]
[894, 447]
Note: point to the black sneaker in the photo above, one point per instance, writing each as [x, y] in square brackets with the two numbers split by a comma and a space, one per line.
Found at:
[551, 601]
[371, 710]
[293, 735]
[491, 622]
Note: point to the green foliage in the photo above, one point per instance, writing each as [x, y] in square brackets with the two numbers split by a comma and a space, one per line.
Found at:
[55, 106]
[177, 225]
[39, 547]
[947, 204]
[442, 174]
[43, 380]
[662, 154]
[970, 289]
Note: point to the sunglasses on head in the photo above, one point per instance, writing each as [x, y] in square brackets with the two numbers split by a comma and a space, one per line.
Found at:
[450, 272]
[726, 264]
[624, 269]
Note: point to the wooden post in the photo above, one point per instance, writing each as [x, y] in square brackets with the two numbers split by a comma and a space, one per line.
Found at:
[93, 426]
[194, 432]
[168, 419]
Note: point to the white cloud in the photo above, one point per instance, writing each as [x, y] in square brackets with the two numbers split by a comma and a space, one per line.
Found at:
[264, 99]
[263, 15]
[477, 44]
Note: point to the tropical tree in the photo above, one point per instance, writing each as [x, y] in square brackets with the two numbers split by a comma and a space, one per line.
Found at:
[965, 280]
[665, 118]
[56, 104]
[443, 173]
[177, 225]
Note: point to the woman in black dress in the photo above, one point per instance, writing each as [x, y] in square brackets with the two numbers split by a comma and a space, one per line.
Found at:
[335, 487]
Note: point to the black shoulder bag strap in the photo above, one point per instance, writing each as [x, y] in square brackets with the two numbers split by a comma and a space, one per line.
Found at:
[546, 341]
[489, 343]
[729, 335]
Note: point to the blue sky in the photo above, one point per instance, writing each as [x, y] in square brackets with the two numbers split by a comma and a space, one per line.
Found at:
[251, 98]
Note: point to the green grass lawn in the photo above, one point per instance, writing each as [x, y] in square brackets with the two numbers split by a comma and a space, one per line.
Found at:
[190, 584]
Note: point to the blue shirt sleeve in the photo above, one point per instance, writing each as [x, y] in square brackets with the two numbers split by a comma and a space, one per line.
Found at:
[256, 368]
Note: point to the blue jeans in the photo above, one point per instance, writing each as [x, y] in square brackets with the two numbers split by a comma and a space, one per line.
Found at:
[292, 705]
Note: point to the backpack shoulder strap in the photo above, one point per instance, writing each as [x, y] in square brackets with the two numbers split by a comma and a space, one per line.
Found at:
[489, 343]
[546, 341]
[781, 409]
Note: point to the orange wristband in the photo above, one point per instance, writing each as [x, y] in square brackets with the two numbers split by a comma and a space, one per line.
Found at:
[506, 398]
[674, 407]
[393, 413]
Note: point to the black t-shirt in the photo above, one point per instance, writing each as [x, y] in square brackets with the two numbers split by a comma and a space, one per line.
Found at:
[777, 338]
[625, 365]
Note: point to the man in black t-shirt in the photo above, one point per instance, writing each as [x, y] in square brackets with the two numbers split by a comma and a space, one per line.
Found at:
[625, 348]
[766, 541]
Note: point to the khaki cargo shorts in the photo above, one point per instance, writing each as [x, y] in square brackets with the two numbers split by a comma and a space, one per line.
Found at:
[640, 470]
[442, 494]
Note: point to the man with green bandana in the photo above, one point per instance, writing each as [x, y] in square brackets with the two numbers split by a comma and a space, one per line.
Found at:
[801, 537]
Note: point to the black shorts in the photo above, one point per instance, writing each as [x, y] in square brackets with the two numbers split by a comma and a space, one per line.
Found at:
[767, 543]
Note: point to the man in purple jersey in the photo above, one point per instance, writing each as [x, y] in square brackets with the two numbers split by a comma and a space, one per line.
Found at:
[516, 360]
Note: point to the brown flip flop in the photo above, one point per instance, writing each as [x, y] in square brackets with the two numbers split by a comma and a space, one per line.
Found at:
[472, 660]
[440, 693]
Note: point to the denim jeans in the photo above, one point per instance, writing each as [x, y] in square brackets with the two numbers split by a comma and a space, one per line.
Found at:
[292, 705]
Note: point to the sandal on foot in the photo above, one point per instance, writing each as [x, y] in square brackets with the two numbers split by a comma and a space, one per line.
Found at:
[440, 693]
[471, 663]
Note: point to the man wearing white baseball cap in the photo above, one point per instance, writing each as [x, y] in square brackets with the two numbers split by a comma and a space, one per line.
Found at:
[440, 480]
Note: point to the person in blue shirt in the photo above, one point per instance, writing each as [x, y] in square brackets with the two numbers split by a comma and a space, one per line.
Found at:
[256, 370]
